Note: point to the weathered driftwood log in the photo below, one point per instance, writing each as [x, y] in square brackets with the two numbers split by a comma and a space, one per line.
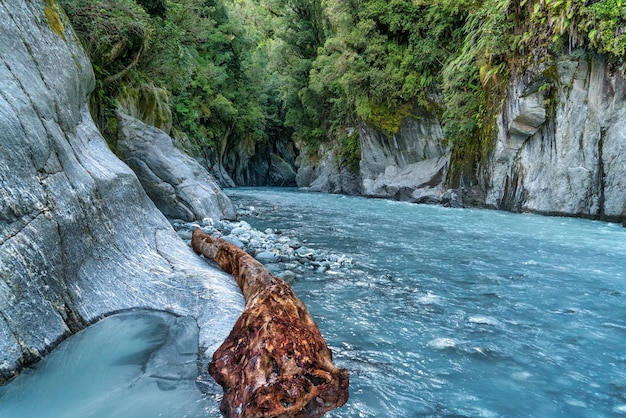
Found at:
[275, 362]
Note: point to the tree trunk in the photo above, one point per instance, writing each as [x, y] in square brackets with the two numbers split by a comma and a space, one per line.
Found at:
[275, 362]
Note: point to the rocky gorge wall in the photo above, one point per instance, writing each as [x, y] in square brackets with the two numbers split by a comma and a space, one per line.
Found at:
[260, 163]
[79, 237]
[562, 151]
[409, 165]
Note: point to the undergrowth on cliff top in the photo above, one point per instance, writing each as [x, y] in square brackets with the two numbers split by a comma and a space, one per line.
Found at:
[197, 52]
[247, 71]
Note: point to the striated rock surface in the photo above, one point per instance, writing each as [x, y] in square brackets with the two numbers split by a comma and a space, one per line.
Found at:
[79, 238]
[410, 165]
[322, 172]
[572, 161]
[179, 186]
[275, 361]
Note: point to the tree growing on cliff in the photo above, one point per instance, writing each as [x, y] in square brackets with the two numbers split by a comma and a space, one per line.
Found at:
[255, 72]
[194, 50]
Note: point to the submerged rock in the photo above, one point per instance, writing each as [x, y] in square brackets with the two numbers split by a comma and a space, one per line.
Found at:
[267, 257]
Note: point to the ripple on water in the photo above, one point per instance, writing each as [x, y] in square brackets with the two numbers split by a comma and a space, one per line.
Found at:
[471, 313]
[443, 343]
[484, 320]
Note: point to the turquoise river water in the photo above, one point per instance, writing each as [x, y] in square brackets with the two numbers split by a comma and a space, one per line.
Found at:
[463, 313]
[442, 312]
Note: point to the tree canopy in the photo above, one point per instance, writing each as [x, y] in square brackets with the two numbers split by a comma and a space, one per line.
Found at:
[310, 70]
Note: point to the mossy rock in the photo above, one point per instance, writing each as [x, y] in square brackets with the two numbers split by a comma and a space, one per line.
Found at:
[147, 103]
[51, 11]
[349, 151]
[381, 116]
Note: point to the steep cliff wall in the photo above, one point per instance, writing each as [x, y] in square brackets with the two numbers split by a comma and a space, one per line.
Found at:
[323, 171]
[79, 238]
[262, 163]
[561, 146]
[408, 165]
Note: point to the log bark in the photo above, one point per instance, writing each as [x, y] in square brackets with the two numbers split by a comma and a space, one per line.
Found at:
[275, 362]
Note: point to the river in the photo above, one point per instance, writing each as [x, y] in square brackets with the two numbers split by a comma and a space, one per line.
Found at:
[452, 312]
[462, 312]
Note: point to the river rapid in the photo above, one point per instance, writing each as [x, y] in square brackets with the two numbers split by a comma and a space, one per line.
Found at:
[461, 312]
[435, 312]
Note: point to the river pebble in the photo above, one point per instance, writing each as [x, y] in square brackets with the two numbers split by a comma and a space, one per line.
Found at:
[284, 255]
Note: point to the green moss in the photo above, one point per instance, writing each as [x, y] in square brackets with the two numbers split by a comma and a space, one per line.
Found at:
[54, 18]
[349, 151]
[381, 116]
[471, 153]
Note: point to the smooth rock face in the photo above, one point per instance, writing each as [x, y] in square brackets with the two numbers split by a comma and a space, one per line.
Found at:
[79, 238]
[179, 186]
[410, 165]
[575, 164]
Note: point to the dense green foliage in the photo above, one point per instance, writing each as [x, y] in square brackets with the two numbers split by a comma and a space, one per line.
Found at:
[193, 49]
[311, 70]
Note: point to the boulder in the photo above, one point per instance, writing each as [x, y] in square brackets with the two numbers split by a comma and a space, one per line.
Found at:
[178, 185]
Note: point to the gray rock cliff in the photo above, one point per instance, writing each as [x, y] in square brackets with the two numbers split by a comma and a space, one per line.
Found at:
[410, 165]
[179, 186]
[573, 161]
[323, 172]
[79, 238]
[262, 163]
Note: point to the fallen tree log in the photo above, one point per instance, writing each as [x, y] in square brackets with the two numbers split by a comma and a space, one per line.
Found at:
[275, 362]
